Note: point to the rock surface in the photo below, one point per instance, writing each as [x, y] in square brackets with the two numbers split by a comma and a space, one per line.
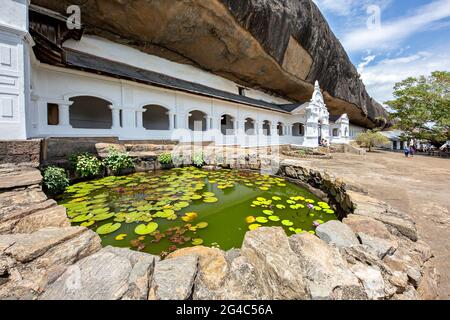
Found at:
[337, 233]
[279, 46]
[109, 274]
[173, 279]
[276, 265]
[325, 269]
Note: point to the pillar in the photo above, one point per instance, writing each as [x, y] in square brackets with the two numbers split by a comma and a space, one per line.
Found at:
[64, 113]
[115, 111]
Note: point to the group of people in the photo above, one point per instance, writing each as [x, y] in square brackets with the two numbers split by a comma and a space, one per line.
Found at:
[410, 151]
[324, 143]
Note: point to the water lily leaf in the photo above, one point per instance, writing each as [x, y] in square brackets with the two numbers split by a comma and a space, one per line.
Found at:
[281, 184]
[87, 223]
[108, 228]
[120, 236]
[143, 229]
[250, 219]
[254, 226]
[263, 188]
[274, 218]
[309, 201]
[182, 204]
[287, 223]
[197, 241]
[210, 200]
[268, 212]
[202, 225]
[275, 198]
[280, 206]
[102, 216]
[208, 194]
[189, 216]
[261, 220]
[83, 217]
[196, 197]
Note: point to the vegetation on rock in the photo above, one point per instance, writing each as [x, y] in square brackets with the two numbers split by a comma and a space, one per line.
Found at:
[86, 165]
[55, 180]
[116, 160]
[370, 139]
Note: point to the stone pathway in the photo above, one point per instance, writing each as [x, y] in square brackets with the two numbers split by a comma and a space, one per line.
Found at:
[419, 186]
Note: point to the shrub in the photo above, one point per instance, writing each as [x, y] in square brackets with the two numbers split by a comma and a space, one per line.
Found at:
[86, 165]
[55, 180]
[371, 139]
[165, 158]
[198, 159]
[116, 160]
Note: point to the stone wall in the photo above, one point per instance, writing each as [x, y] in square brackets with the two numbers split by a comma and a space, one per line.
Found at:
[20, 152]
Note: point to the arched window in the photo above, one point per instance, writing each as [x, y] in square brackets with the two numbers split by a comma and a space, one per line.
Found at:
[155, 118]
[335, 132]
[266, 128]
[197, 121]
[88, 112]
[280, 129]
[249, 126]
[227, 125]
[298, 130]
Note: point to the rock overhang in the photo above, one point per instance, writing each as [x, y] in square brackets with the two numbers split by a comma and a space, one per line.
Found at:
[275, 46]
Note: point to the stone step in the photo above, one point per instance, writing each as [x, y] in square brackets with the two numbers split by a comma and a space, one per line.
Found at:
[12, 177]
[32, 262]
[18, 203]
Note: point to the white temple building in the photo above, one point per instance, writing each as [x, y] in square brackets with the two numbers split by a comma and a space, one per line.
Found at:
[57, 82]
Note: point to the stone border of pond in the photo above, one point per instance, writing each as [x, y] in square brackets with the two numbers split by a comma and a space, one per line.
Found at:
[373, 253]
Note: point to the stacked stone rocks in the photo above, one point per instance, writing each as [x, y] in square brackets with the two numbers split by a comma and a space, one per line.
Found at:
[373, 254]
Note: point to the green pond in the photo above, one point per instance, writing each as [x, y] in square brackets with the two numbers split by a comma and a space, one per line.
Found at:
[163, 211]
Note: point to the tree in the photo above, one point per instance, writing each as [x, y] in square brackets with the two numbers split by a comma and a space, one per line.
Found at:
[371, 139]
[422, 107]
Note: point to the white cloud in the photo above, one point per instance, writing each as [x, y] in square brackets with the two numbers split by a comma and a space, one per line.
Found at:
[390, 34]
[366, 61]
[381, 77]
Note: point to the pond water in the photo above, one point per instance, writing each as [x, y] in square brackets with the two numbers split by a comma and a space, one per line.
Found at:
[163, 211]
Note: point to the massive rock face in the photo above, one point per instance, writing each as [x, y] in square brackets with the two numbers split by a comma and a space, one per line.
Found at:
[273, 45]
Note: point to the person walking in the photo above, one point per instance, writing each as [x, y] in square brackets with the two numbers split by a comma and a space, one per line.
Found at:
[412, 151]
[406, 150]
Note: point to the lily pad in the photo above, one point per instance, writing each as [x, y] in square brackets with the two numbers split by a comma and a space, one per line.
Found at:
[108, 228]
[254, 226]
[202, 225]
[120, 236]
[210, 200]
[287, 223]
[197, 241]
[83, 217]
[274, 218]
[87, 223]
[268, 212]
[102, 216]
[261, 220]
[143, 229]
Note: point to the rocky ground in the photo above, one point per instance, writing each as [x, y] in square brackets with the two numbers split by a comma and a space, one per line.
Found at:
[376, 253]
[419, 186]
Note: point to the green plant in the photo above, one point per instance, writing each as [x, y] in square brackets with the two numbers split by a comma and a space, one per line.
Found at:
[301, 153]
[165, 158]
[198, 159]
[116, 160]
[86, 165]
[370, 139]
[55, 180]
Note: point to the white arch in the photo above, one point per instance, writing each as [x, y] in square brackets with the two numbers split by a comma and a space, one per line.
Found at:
[156, 103]
[69, 96]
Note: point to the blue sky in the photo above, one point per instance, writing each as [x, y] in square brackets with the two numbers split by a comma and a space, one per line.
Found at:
[406, 38]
